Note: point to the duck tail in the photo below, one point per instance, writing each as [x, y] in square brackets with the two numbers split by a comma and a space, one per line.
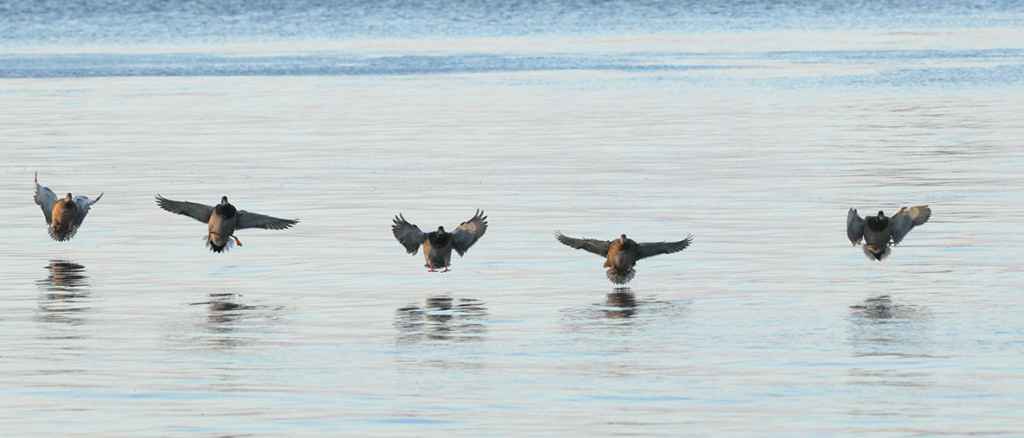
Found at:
[62, 234]
[215, 248]
[618, 277]
[872, 252]
[218, 248]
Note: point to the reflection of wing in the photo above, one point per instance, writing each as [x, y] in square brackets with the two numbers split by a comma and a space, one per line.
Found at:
[45, 198]
[468, 232]
[408, 235]
[599, 247]
[651, 249]
[248, 219]
[854, 226]
[906, 219]
[84, 204]
[193, 210]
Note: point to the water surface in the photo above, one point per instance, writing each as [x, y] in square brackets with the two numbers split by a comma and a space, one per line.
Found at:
[756, 138]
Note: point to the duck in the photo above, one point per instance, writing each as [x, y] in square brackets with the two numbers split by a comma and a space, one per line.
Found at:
[622, 253]
[223, 220]
[64, 216]
[438, 245]
[879, 232]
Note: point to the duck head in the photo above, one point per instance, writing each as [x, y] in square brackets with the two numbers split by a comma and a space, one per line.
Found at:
[440, 230]
[223, 200]
[878, 222]
[68, 197]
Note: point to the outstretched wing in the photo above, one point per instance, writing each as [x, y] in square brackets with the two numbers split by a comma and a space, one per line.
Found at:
[247, 219]
[45, 198]
[651, 249]
[906, 219]
[408, 235]
[468, 232]
[854, 226]
[193, 210]
[599, 247]
[84, 204]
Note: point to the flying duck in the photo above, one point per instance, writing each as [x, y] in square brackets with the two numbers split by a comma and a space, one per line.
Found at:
[223, 220]
[438, 245]
[622, 254]
[878, 231]
[63, 215]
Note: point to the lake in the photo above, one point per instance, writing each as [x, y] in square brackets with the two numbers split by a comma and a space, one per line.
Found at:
[752, 127]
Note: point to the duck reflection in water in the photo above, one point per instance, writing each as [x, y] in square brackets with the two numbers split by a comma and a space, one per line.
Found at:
[884, 334]
[882, 308]
[623, 309]
[442, 318]
[223, 308]
[621, 304]
[65, 292]
[225, 317]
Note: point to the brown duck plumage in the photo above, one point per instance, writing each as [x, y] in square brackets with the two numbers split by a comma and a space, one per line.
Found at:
[64, 216]
[622, 254]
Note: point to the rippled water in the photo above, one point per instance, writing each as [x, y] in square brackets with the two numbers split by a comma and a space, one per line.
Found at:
[756, 142]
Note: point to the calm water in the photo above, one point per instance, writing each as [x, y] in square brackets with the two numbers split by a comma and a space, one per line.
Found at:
[752, 127]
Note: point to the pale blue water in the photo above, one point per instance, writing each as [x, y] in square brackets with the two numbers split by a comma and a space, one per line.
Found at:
[211, 20]
[752, 125]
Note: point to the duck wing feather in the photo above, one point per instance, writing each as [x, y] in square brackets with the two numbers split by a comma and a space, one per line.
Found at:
[854, 226]
[45, 198]
[650, 249]
[906, 219]
[599, 247]
[468, 232]
[409, 235]
[199, 212]
[248, 219]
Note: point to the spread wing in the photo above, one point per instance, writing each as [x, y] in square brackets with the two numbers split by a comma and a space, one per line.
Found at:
[599, 247]
[854, 226]
[468, 232]
[193, 210]
[248, 219]
[651, 249]
[906, 219]
[408, 235]
[45, 198]
[84, 204]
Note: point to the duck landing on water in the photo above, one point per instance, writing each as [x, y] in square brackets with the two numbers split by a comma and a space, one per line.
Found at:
[880, 232]
[64, 216]
[622, 254]
[438, 245]
[223, 220]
